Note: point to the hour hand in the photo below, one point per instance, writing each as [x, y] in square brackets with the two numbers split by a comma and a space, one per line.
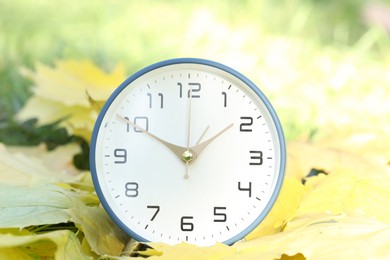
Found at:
[176, 149]
[198, 148]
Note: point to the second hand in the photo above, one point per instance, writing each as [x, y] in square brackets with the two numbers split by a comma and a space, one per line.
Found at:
[187, 156]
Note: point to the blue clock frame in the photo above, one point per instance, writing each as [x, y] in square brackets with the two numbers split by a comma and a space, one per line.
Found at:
[217, 65]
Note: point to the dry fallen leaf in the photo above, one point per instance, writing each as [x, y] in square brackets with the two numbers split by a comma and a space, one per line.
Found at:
[60, 245]
[321, 236]
[284, 209]
[102, 235]
[302, 157]
[59, 160]
[370, 142]
[33, 166]
[317, 236]
[348, 193]
[69, 81]
[71, 90]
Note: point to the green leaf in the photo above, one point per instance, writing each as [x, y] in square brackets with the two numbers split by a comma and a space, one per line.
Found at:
[29, 133]
[21, 207]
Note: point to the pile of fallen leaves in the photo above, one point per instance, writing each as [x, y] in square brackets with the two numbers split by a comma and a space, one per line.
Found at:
[333, 203]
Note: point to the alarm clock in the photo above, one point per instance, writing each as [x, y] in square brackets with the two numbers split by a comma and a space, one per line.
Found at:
[187, 150]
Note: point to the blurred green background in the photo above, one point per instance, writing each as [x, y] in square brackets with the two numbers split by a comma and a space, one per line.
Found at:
[316, 60]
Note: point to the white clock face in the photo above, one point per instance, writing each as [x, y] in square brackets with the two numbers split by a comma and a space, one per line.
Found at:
[189, 151]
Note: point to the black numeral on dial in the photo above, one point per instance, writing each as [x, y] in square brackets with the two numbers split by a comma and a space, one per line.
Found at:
[157, 210]
[248, 189]
[193, 91]
[256, 158]
[120, 155]
[224, 99]
[160, 95]
[131, 189]
[185, 224]
[245, 126]
[141, 121]
[219, 214]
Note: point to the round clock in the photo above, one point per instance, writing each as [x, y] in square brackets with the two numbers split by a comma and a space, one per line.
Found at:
[187, 150]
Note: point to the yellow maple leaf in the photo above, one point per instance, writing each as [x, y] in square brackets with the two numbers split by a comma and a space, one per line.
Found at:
[302, 157]
[101, 234]
[316, 236]
[348, 192]
[61, 244]
[69, 81]
[72, 91]
[284, 209]
[78, 120]
[370, 141]
[352, 184]
[322, 236]
[188, 251]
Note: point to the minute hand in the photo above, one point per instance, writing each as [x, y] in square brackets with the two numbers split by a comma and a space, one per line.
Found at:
[200, 147]
[176, 149]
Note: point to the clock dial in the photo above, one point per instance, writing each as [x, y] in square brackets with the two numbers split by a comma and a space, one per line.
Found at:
[187, 150]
